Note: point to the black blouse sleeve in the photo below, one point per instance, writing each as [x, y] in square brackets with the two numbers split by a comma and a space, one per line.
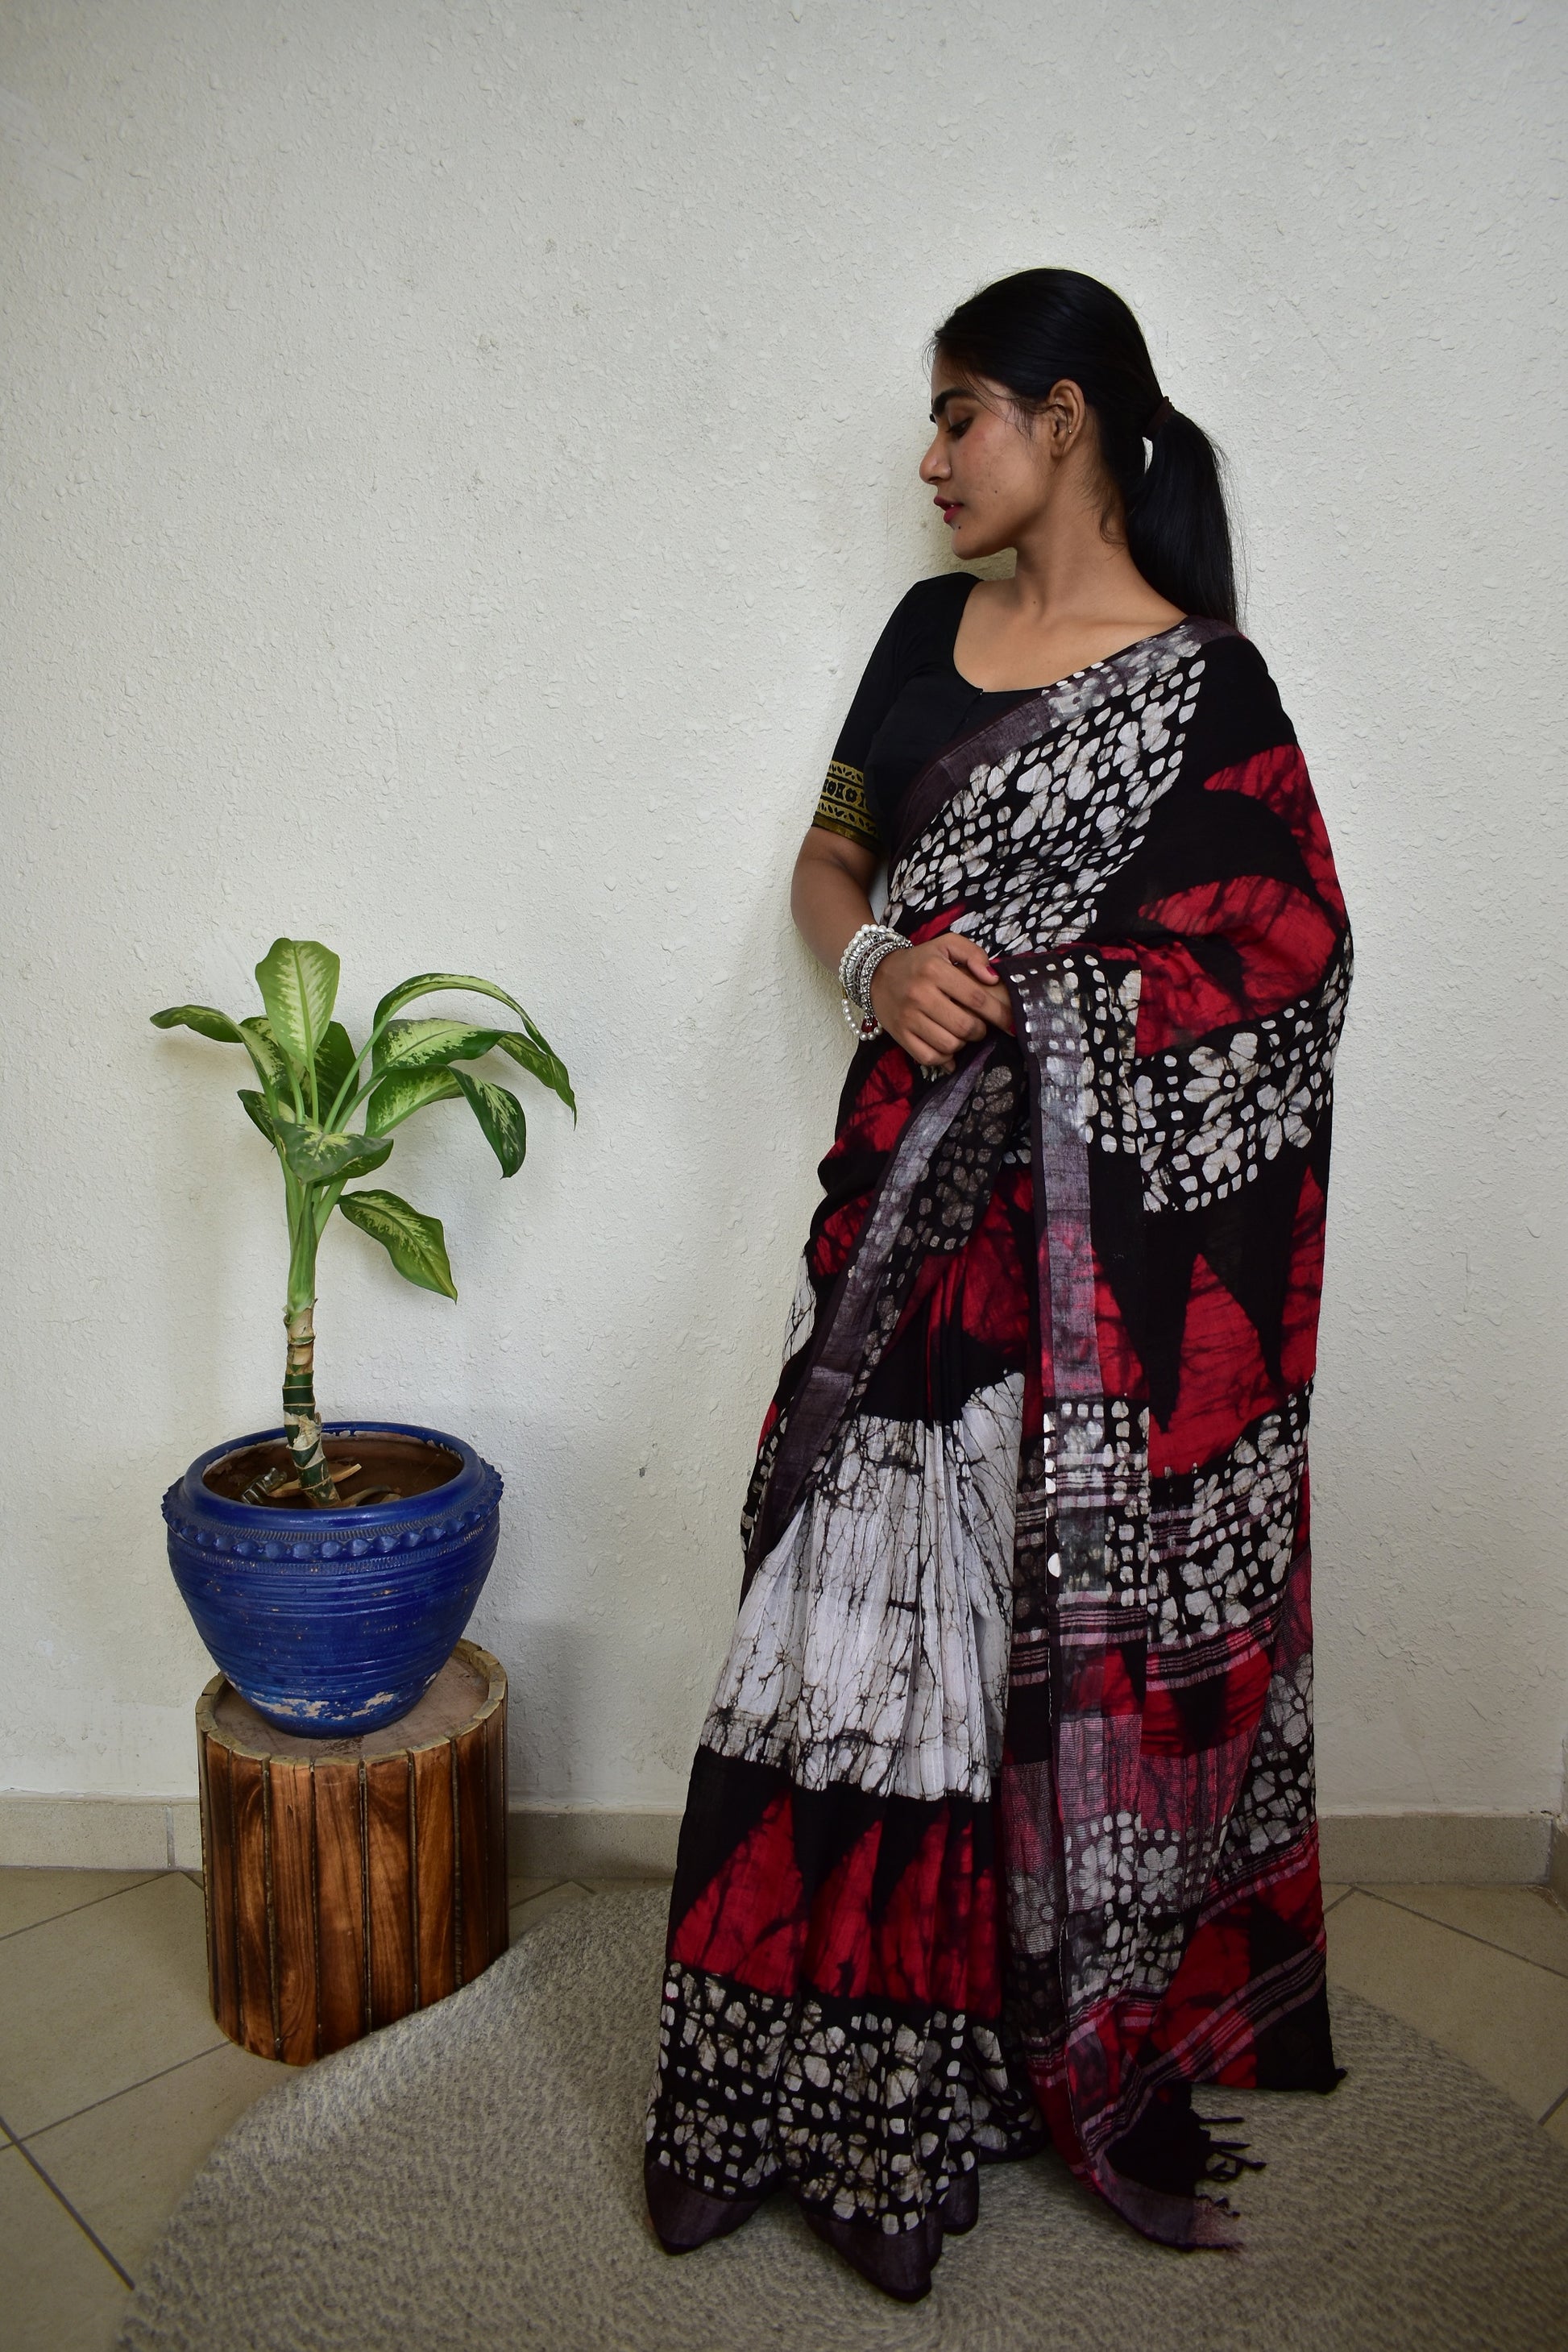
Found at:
[843, 806]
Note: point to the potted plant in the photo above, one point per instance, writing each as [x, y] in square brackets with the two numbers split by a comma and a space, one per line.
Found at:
[330, 1568]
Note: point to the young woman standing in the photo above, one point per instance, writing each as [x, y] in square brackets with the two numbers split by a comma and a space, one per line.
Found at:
[1001, 1832]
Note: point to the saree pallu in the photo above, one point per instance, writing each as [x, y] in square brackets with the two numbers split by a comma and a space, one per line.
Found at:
[1001, 1832]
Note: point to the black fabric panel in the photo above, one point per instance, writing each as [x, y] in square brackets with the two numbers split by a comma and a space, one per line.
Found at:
[1197, 838]
[1239, 711]
[725, 1800]
[1029, 1722]
[1157, 1320]
[1248, 1241]
[1297, 2053]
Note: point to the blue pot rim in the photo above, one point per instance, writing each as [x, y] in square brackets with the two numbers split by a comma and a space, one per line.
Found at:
[459, 1503]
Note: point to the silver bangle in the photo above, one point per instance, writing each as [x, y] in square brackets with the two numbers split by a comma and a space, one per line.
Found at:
[870, 945]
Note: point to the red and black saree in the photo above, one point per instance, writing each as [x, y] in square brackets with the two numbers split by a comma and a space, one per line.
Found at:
[1001, 1832]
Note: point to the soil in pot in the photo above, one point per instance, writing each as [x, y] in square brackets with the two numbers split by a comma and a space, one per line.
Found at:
[406, 1465]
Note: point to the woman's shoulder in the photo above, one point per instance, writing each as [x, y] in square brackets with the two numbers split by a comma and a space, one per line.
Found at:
[925, 621]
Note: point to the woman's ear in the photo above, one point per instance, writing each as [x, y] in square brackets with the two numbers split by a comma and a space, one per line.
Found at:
[1060, 419]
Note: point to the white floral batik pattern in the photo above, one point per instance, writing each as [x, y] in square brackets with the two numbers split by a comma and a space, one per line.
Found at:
[1030, 842]
[871, 1648]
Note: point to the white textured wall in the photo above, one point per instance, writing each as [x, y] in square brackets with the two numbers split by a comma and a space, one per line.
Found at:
[457, 459]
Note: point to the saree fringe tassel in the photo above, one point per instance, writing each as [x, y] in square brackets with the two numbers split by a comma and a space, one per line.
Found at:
[1001, 1833]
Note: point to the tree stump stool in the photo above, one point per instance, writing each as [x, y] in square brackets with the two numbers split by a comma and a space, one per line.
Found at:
[351, 1881]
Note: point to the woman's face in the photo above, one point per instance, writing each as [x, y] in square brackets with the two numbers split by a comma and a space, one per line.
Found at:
[990, 465]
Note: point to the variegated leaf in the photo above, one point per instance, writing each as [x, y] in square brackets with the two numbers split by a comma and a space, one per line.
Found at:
[255, 1109]
[406, 1092]
[499, 1115]
[430, 1044]
[415, 1244]
[262, 1047]
[205, 1018]
[430, 983]
[532, 1054]
[319, 1157]
[298, 984]
[334, 1061]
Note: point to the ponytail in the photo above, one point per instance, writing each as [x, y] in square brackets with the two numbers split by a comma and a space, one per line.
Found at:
[1032, 331]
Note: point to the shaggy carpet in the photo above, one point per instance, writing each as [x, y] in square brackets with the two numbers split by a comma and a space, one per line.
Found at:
[470, 2179]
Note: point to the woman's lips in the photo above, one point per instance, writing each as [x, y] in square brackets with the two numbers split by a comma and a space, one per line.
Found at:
[950, 507]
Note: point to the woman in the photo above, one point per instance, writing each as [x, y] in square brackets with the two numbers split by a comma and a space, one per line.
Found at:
[1000, 1830]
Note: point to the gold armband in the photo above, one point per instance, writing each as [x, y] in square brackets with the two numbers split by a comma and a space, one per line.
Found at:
[844, 807]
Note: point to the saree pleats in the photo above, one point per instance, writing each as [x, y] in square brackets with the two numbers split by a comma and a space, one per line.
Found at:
[1001, 1830]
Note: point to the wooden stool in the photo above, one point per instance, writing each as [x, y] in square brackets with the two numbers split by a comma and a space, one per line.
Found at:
[350, 1881]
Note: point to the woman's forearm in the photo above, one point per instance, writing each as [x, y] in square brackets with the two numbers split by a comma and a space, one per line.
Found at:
[828, 894]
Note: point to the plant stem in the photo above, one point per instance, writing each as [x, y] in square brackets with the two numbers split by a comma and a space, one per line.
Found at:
[301, 1423]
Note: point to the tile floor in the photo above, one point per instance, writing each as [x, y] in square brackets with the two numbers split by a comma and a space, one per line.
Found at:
[115, 2082]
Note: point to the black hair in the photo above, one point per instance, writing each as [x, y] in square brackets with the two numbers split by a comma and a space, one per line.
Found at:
[1032, 331]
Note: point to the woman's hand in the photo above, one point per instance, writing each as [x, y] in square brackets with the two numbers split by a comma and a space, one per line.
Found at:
[931, 999]
[935, 998]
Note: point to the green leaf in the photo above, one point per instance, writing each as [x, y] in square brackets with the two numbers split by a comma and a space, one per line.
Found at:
[430, 1044]
[320, 1157]
[500, 1114]
[256, 1108]
[406, 1091]
[205, 1018]
[255, 1035]
[427, 983]
[334, 1060]
[533, 1050]
[534, 1055]
[415, 1245]
[298, 984]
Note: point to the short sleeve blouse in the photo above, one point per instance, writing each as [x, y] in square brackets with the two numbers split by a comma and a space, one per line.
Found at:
[911, 704]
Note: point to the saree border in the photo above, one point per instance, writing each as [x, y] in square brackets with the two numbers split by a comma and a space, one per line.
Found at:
[833, 1361]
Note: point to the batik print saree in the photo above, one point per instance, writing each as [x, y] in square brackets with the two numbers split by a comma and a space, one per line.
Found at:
[1001, 1832]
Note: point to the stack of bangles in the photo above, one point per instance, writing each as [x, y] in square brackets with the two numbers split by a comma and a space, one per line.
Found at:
[859, 960]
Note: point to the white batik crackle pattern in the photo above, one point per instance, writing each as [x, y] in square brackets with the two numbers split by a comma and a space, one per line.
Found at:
[1029, 844]
[872, 1649]
[802, 1312]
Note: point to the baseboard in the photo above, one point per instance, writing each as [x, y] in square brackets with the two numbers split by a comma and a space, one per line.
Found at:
[49, 1832]
[562, 1840]
[590, 1841]
[1431, 1849]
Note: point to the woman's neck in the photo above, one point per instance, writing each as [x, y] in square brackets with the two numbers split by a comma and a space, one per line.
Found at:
[1069, 571]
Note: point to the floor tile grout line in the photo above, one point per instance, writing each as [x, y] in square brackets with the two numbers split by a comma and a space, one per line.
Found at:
[1469, 1935]
[1341, 1896]
[92, 1901]
[141, 2083]
[1551, 2110]
[85, 2227]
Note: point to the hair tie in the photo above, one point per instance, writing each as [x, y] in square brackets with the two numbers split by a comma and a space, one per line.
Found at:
[1166, 408]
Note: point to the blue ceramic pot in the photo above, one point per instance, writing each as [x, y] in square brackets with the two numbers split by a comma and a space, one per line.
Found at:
[334, 1621]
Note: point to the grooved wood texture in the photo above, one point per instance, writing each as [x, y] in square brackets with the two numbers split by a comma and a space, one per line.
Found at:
[351, 1881]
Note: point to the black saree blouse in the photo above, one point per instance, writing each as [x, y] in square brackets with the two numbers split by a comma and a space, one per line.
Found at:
[911, 704]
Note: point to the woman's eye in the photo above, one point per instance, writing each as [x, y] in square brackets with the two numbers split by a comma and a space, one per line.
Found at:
[957, 428]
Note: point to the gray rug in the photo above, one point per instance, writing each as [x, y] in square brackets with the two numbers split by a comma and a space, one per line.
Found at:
[470, 2181]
